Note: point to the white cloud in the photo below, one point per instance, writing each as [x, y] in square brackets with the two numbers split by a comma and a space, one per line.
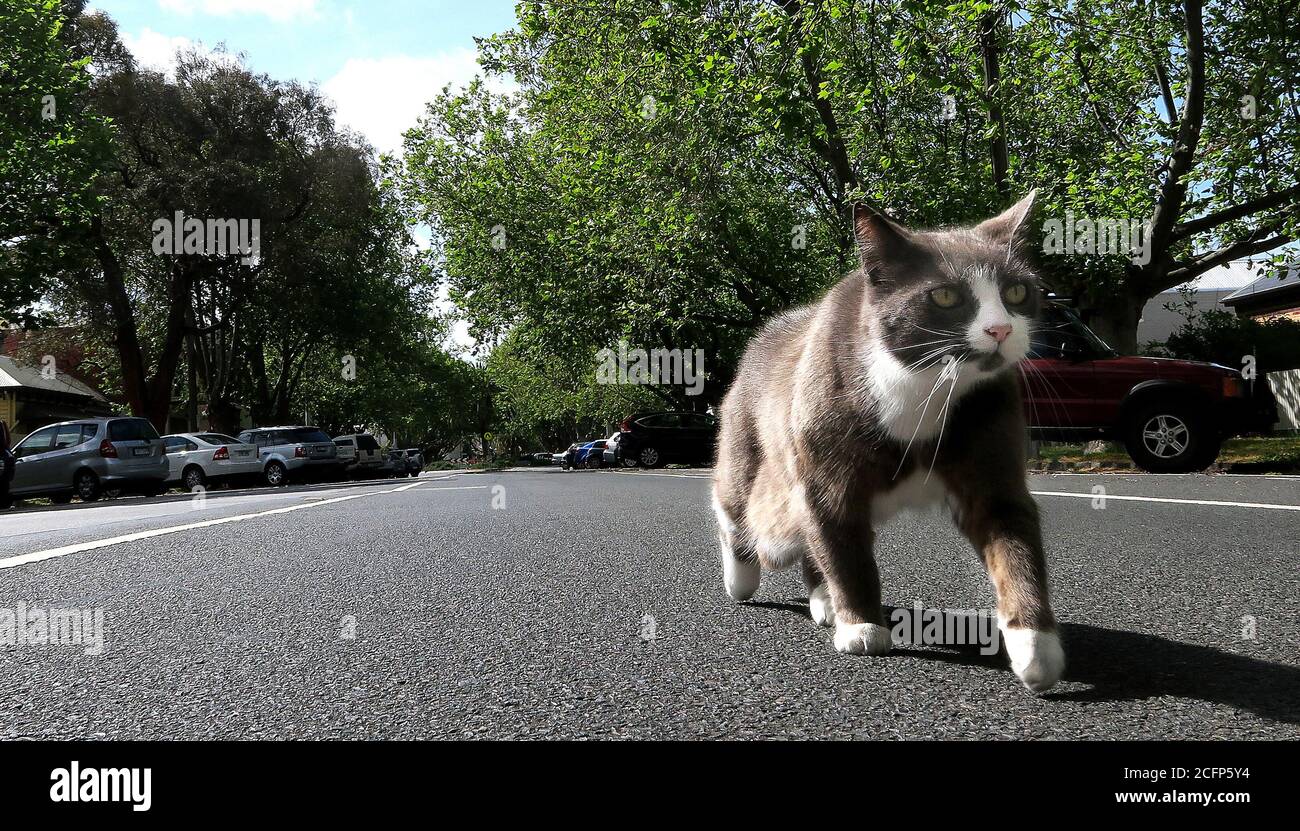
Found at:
[154, 50]
[382, 98]
[280, 11]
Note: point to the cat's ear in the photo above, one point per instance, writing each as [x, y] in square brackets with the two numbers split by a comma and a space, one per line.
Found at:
[1009, 227]
[880, 239]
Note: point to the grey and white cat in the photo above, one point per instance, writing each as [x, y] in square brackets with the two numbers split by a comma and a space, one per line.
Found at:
[896, 390]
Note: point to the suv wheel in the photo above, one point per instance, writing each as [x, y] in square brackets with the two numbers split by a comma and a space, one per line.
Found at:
[86, 484]
[276, 475]
[1167, 437]
[650, 457]
[626, 462]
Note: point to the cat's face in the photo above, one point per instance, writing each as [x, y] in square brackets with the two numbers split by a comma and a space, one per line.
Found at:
[961, 301]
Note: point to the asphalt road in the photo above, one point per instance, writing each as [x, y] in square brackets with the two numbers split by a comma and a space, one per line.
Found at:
[547, 604]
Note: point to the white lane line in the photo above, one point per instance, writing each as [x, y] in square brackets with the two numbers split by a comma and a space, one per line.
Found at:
[52, 553]
[1212, 502]
[669, 475]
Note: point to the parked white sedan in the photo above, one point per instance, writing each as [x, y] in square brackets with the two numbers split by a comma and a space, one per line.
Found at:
[196, 459]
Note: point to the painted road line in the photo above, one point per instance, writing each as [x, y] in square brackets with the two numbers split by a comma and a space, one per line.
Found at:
[53, 553]
[669, 475]
[1211, 502]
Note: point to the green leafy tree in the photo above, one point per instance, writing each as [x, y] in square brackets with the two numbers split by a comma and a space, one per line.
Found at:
[647, 179]
[50, 149]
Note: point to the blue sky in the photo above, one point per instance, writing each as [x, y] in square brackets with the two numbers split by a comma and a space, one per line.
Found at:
[380, 60]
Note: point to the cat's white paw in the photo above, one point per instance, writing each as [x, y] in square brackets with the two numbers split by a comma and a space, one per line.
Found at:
[821, 607]
[862, 638]
[740, 577]
[1036, 657]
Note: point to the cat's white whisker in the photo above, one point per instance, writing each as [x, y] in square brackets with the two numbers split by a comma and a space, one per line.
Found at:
[943, 419]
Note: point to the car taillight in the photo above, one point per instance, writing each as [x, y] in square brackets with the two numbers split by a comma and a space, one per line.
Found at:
[222, 453]
[1233, 387]
[626, 426]
[299, 452]
[107, 450]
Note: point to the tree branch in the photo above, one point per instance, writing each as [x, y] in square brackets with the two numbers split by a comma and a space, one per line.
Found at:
[1257, 242]
[1205, 223]
[1174, 188]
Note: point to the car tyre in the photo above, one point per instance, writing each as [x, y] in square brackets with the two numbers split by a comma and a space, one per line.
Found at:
[650, 457]
[1169, 437]
[193, 478]
[87, 487]
[276, 475]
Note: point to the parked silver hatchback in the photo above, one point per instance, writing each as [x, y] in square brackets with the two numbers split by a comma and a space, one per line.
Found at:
[86, 457]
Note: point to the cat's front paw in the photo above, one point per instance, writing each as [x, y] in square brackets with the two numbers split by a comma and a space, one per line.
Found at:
[821, 607]
[1036, 657]
[862, 638]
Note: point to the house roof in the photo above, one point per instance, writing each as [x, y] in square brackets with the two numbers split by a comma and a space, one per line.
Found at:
[1267, 286]
[17, 376]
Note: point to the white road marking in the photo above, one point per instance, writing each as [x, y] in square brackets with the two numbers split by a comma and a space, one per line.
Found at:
[1212, 502]
[669, 475]
[52, 553]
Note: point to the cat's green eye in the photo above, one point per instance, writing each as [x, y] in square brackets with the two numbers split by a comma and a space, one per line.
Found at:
[1015, 293]
[944, 297]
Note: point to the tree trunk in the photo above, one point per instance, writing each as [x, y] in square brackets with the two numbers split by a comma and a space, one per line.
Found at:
[223, 417]
[1115, 320]
[998, 156]
[191, 386]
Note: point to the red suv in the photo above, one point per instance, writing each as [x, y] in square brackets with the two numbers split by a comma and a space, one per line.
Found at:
[1171, 415]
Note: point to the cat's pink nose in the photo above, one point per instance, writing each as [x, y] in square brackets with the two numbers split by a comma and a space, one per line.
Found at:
[1000, 332]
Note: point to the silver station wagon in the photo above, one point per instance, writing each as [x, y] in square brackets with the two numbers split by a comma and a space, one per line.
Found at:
[84, 458]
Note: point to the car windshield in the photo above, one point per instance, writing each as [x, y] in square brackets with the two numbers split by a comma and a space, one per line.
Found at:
[306, 435]
[218, 438]
[1061, 328]
[131, 429]
[367, 443]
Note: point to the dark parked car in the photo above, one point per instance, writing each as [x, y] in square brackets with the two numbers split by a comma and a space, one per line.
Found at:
[656, 439]
[1171, 415]
[568, 456]
[6, 466]
[414, 461]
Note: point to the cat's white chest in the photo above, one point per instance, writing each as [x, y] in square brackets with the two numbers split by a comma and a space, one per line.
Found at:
[911, 492]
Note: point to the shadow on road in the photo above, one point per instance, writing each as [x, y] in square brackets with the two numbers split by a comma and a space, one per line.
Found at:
[1130, 666]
